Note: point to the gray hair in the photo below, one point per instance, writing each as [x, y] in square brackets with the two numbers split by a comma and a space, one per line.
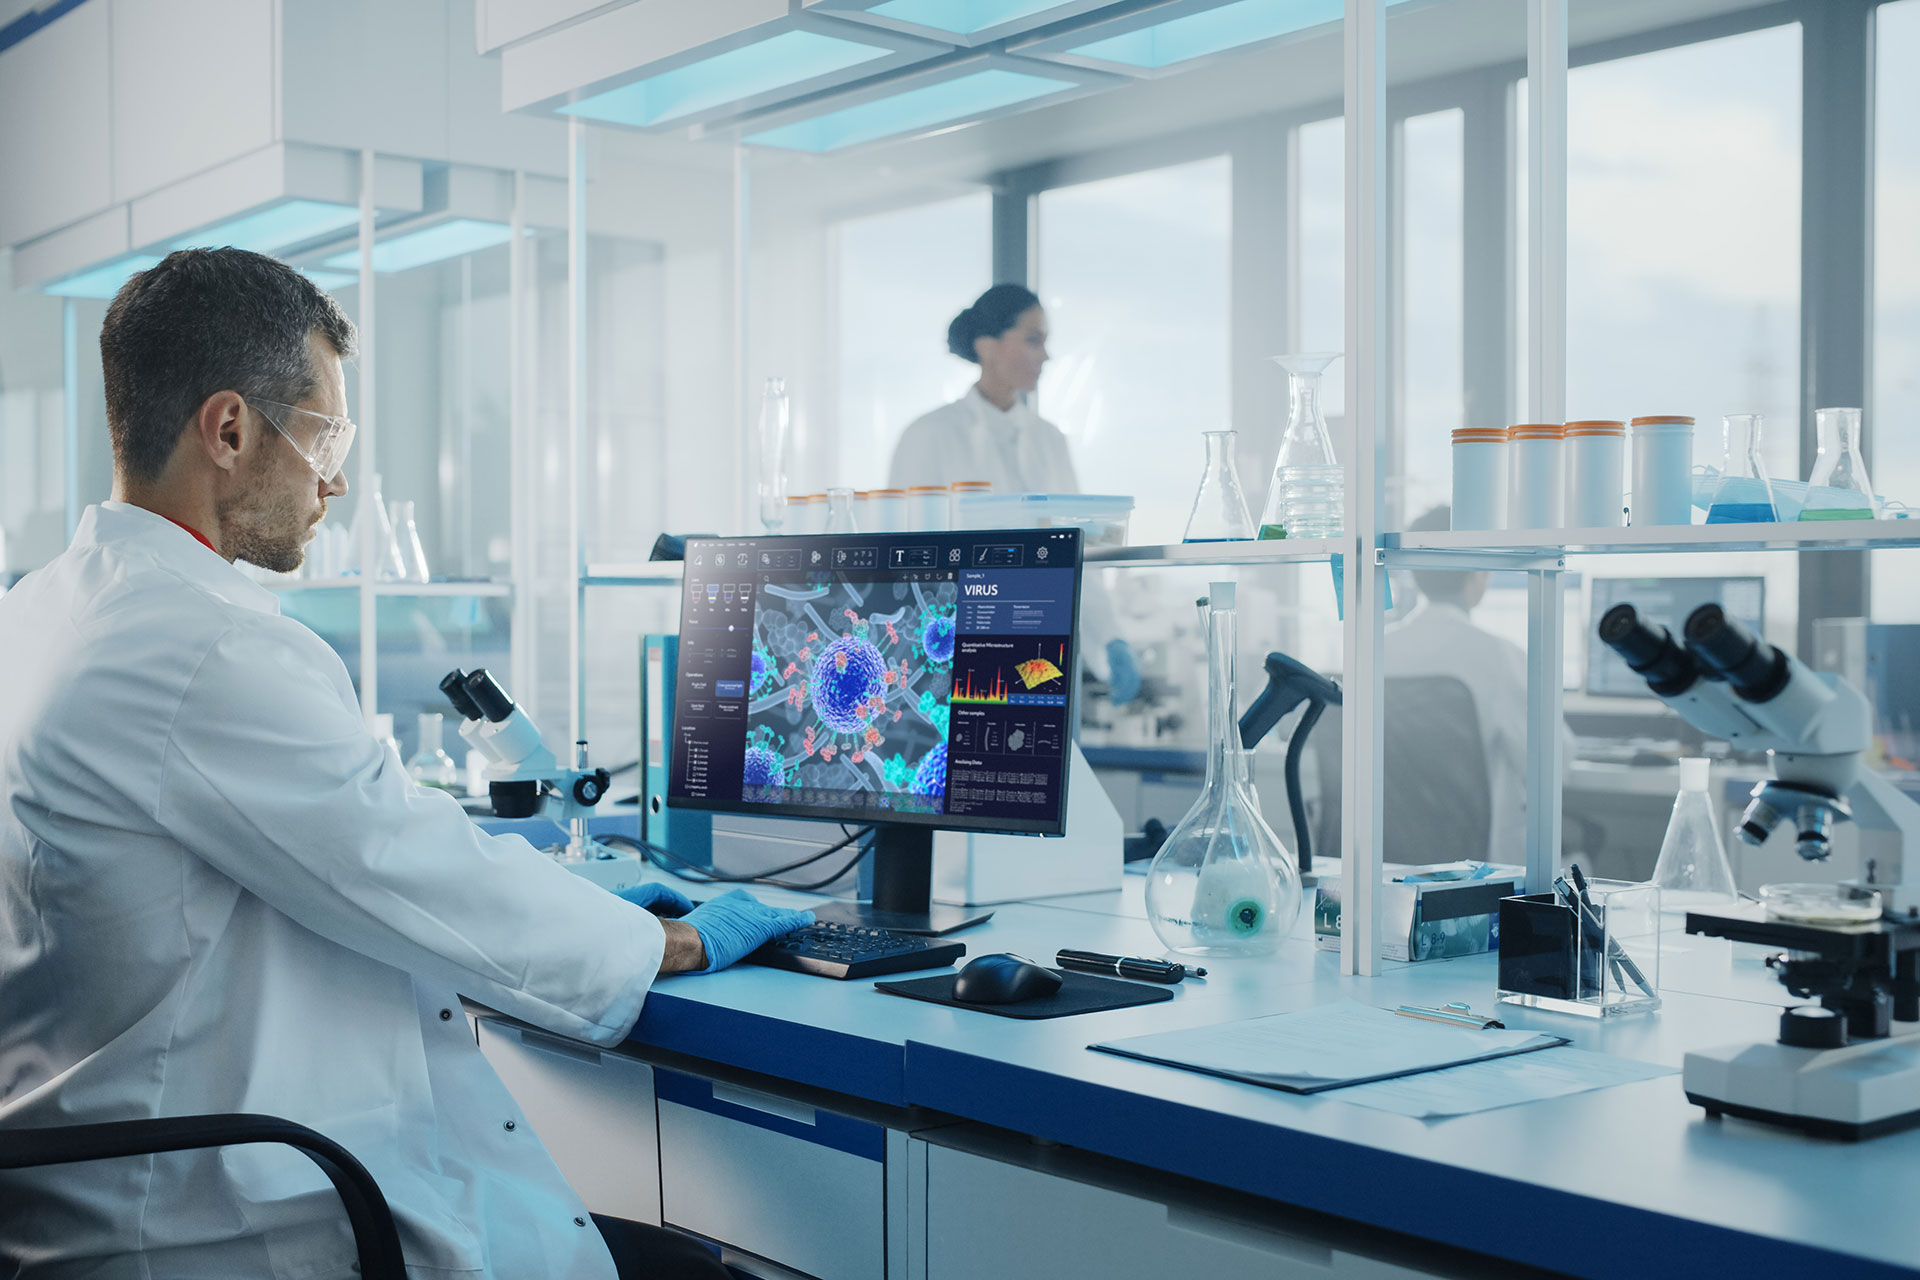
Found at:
[201, 322]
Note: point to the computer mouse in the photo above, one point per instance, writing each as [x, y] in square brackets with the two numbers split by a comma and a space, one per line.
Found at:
[1003, 978]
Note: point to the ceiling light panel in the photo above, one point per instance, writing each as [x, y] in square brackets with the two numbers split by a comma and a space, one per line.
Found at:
[406, 249]
[1181, 33]
[102, 281]
[946, 97]
[761, 67]
[276, 227]
[961, 22]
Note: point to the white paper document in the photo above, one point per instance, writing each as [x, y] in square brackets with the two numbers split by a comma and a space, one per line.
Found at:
[1326, 1048]
[1501, 1082]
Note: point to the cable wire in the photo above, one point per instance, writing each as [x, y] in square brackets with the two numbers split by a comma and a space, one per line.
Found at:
[675, 865]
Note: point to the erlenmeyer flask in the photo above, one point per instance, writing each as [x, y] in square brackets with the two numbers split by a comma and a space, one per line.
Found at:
[840, 512]
[1839, 489]
[1220, 508]
[406, 543]
[1223, 884]
[1743, 494]
[1308, 495]
[387, 563]
[773, 455]
[431, 766]
[1693, 871]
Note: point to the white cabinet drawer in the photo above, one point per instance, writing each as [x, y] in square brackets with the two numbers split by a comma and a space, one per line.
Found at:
[800, 1186]
[593, 1110]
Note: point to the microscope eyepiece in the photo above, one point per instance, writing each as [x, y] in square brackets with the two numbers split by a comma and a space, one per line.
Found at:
[1752, 668]
[1649, 650]
[488, 697]
[454, 685]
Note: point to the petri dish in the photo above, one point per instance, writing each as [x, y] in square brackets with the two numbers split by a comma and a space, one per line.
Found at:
[1820, 903]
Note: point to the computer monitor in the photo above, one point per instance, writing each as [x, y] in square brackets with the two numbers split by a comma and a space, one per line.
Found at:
[912, 682]
[1666, 602]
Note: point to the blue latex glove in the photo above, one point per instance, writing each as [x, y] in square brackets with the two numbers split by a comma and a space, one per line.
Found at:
[734, 925]
[1123, 674]
[661, 899]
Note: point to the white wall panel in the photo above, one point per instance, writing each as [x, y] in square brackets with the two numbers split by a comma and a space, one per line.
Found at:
[478, 131]
[55, 140]
[192, 87]
[505, 21]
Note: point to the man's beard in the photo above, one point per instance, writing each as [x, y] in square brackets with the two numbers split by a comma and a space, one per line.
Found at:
[264, 525]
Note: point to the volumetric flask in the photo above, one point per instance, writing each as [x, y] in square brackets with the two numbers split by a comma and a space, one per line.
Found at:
[1743, 494]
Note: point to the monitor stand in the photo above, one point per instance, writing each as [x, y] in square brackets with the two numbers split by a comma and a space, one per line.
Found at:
[902, 889]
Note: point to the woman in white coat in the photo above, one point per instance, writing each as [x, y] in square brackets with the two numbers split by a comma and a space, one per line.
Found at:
[993, 434]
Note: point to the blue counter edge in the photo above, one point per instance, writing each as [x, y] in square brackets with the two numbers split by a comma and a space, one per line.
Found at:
[1536, 1225]
[853, 1065]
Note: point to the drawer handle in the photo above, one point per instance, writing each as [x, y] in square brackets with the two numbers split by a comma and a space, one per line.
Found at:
[766, 1103]
[560, 1048]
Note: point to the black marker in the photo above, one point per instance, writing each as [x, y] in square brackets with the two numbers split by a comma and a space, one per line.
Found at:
[1139, 968]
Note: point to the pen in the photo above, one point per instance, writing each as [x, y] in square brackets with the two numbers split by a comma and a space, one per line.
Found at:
[1140, 968]
[1617, 958]
[1453, 1013]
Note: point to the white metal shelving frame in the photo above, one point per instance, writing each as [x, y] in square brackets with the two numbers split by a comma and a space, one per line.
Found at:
[1367, 547]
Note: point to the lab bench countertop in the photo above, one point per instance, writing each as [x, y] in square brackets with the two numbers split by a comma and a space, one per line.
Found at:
[1595, 1184]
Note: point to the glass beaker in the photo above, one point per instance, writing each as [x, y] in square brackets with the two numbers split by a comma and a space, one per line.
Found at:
[840, 512]
[1308, 495]
[774, 416]
[1743, 494]
[1693, 871]
[431, 766]
[406, 541]
[388, 564]
[1220, 508]
[1839, 489]
[1223, 884]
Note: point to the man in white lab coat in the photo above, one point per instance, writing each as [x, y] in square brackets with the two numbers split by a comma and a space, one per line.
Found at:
[218, 893]
[1439, 638]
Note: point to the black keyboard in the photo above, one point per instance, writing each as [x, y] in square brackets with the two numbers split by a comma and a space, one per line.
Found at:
[850, 951]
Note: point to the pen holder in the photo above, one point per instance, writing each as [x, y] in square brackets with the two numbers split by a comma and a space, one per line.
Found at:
[1602, 966]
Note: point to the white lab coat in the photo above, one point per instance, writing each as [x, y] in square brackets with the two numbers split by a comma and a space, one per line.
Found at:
[1439, 639]
[219, 894]
[1017, 450]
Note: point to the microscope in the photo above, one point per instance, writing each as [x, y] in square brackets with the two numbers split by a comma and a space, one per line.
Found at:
[1840, 1068]
[525, 780]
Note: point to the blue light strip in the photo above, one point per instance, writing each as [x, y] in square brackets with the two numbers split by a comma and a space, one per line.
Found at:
[436, 243]
[948, 102]
[1195, 35]
[791, 58]
[331, 280]
[102, 281]
[276, 227]
[961, 17]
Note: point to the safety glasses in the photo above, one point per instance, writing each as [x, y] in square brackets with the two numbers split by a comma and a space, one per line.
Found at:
[322, 440]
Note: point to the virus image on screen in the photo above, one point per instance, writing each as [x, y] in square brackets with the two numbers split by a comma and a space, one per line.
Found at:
[850, 686]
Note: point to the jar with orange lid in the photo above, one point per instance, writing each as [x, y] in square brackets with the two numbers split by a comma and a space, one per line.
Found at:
[1596, 456]
[1535, 484]
[887, 508]
[1662, 470]
[960, 489]
[928, 507]
[1480, 478]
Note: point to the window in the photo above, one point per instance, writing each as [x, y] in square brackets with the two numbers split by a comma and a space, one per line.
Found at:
[1893, 445]
[1321, 267]
[1134, 275]
[1683, 238]
[903, 276]
[1430, 399]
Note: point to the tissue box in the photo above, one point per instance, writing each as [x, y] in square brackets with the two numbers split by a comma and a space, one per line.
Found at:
[1427, 913]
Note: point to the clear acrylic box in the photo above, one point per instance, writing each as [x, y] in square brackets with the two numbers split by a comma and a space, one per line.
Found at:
[1605, 965]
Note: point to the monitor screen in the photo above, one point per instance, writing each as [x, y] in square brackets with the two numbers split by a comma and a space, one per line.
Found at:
[900, 678]
[1666, 602]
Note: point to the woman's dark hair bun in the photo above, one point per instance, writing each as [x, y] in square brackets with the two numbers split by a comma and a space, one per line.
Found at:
[992, 314]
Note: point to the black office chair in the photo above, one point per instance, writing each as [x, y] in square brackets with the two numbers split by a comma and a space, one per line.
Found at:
[1439, 792]
[374, 1235]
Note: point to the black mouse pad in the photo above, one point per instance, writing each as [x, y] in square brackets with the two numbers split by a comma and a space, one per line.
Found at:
[1078, 993]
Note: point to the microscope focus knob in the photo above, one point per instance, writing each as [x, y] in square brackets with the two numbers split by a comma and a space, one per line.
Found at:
[589, 788]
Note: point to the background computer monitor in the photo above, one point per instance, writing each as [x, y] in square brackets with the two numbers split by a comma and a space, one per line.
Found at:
[912, 682]
[1667, 602]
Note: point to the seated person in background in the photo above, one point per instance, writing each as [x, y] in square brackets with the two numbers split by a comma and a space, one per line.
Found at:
[1439, 639]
